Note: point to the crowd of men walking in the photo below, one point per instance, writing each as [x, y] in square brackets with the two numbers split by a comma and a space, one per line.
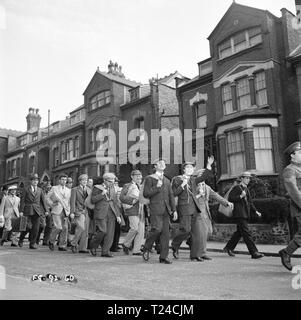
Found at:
[90, 215]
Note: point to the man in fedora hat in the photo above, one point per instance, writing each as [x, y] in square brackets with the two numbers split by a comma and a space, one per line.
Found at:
[292, 182]
[243, 205]
[33, 206]
[157, 188]
[9, 210]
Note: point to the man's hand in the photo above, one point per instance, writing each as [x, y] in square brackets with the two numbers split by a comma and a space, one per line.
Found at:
[175, 216]
[105, 191]
[72, 216]
[184, 183]
[159, 184]
[210, 162]
[119, 220]
[46, 214]
[21, 214]
[259, 214]
[231, 205]
[243, 194]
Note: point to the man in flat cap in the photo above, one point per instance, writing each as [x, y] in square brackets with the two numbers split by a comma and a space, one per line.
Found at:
[292, 183]
[9, 210]
[133, 209]
[33, 206]
[157, 188]
[106, 213]
[243, 204]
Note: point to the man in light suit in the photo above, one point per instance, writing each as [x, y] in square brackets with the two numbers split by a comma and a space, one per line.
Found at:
[33, 206]
[59, 199]
[79, 213]
[157, 189]
[9, 210]
[106, 213]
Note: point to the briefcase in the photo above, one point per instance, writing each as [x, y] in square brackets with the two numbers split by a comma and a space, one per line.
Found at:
[23, 223]
[227, 211]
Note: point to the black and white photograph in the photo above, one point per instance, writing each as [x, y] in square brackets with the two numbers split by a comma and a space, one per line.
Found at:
[150, 153]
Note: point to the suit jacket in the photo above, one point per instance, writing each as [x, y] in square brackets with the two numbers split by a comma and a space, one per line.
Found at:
[59, 201]
[242, 206]
[161, 198]
[33, 203]
[103, 204]
[127, 199]
[10, 207]
[187, 201]
[292, 183]
[77, 202]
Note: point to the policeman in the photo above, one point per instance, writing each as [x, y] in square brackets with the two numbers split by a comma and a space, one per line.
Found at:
[292, 183]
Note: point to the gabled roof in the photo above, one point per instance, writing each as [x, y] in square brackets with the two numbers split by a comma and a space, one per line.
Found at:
[115, 78]
[77, 109]
[8, 132]
[236, 5]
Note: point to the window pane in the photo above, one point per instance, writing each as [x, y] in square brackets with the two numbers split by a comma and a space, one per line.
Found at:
[255, 40]
[202, 122]
[263, 149]
[236, 164]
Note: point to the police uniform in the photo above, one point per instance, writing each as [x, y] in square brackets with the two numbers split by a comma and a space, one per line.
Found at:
[292, 182]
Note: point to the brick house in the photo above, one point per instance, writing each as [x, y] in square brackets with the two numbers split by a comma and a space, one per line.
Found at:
[245, 96]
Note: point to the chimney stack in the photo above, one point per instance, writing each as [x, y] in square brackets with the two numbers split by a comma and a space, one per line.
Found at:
[33, 120]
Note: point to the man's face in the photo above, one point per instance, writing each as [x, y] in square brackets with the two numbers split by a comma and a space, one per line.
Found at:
[34, 182]
[109, 183]
[137, 178]
[189, 170]
[160, 165]
[245, 180]
[63, 181]
[83, 182]
[13, 192]
[90, 183]
[296, 156]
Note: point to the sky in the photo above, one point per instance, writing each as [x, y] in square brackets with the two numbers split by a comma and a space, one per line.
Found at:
[50, 49]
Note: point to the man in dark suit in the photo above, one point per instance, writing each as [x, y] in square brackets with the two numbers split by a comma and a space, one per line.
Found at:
[79, 213]
[193, 212]
[157, 189]
[33, 205]
[106, 213]
[243, 205]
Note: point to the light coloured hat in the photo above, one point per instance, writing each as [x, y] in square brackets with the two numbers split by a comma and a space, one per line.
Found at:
[13, 187]
[246, 174]
[292, 148]
[109, 176]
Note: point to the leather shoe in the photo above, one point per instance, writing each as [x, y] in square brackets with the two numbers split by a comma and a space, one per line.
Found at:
[107, 255]
[83, 251]
[206, 258]
[63, 249]
[126, 250]
[93, 251]
[165, 261]
[137, 254]
[230, 252]
[175, 253]
[13, 245]
[51, 246]
[197, 259]
[145, 254]
[33, 246]
[257, 255]
[74, 249]
[285, 259]
[20, 244]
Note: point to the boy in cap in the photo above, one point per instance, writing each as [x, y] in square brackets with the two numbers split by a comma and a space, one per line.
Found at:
[243, 205]
[133, 209]
[292, 182]
[9, 211]
[157, 189]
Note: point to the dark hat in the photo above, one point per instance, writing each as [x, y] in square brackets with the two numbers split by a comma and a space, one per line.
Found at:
[292, 148]
[136, 173]
[188, 163]
[4, 188]
[34, 176]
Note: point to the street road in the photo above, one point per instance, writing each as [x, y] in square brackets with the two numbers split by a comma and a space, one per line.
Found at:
[129, 277]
